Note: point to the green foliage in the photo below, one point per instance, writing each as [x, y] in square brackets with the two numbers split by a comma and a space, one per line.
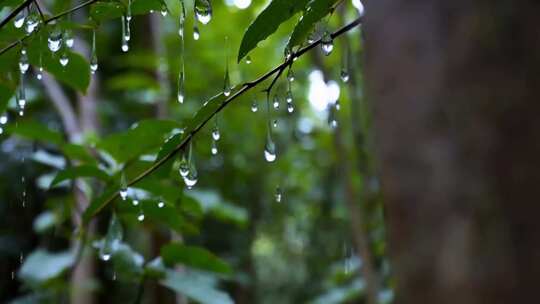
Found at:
[268, 21]
[33, 130]
[197, 286]
[196, 257]
[79, 171]
[42, 266]
[315, 11]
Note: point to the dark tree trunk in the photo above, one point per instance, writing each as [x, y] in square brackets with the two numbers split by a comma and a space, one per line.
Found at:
[456, 89]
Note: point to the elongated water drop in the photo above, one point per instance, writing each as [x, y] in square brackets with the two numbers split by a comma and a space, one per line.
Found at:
[276, 102]
[192, 177]
[23, 61]
[182, 19]
[344, 75]
[18, 21]
[124, 187]
[32, 23]
[125, 35]
[227, 81]
[327, 43]
[39, 74]
[278, 195]
[203, 11]
[164, 10]
[214, 148]
[54, 41]
[215, 133]
[93, 56]
[275, 123]
[254, 106]
[196, 33]
[128, 11]
[269, 148]
[181, 88]
[21, 97]
[184, 167]
[64, 59]
[290, 75]
[69, 40]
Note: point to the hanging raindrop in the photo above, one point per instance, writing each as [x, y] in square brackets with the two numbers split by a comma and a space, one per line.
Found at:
[3, 119]
[32, 23]
[64, 59]
[184, 166]
[135, 202]
[214, 148]
[248, 60]
[215, 133]
[196, 33]
[21, 97]
[227, 81]
[290, 108]
[160, 204]
[23, 61]
[182, 19]
[164, 10]
[128, 11]
[39, 74]
[254, 106]
[192, 177]
[124, 188]
[270, 147]
[69, 40]
[344, 75]
[125, 35]
[276, 102]
[181, 88]
[54, 41]
[290, 74]
[203, 11]
[93, 56]
[278, 195]
[140, 217]
[327, 43]
[289, 97]
[19, 20]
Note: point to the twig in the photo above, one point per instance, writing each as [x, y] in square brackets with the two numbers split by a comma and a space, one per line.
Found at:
[36, 3]
[245, 87]
[22, 6]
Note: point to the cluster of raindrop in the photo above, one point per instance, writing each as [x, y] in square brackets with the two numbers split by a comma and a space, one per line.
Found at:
[289, 96]
[216, 135]
[188, 170]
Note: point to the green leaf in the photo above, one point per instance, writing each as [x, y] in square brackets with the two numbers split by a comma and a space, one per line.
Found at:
[80, 171]
[140, 138]
[268, 21]
[76, 74]
[45, 221]
[41, 266]
[197, 286]
[101, 11]
[7, 90]
[78, 152]
[214, 205]
[128, 263]
[196, 257]
[316, 10]
[31, 129]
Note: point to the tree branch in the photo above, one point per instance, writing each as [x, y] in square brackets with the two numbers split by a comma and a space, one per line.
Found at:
[26, 4]
[245, 87]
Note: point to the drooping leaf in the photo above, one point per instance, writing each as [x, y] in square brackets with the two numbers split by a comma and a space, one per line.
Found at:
[268, 21]
[41, 266]
[80, 171]
[197, 286]
[196, 257]
[315, 11]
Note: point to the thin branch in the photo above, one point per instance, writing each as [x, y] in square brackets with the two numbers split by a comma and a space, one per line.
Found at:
[36, 3]
[245, 87]
[15, 12]
[22, 6]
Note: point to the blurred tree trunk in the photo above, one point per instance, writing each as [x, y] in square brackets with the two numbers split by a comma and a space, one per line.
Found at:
[455, 86]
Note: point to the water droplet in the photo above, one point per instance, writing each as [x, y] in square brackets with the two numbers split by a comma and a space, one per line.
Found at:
[54, 41]
[333, 123]
[105, 256]
[182, 19]
[215, 133]
[135, 202]
[270, 148]
[23, 61]
[3, 119]
[64, 59]
[196, 34]
[68, 39]
[39, 74]
[184, 167]
[344, 75]
[327, 43]
[19, 20]
[126, 36]
[123, 193]
[161, 204]
[164, 10]
[191, 179]
[275, 123]
[125, 46]
[290, 108]
[289, 97]
[227, 84]
[32, 23]
[248, 60]
[140, 217]
[114, 275]
[287, 53]
[278, 195]
[181, 88]
[254, 106]
[337, 105]
[276, 102]
[93, 56]
[290, 75]
[214, 148]
[128, 11]
[203, 11]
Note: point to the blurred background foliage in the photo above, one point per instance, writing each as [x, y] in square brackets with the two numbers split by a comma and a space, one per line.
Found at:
[226, 240]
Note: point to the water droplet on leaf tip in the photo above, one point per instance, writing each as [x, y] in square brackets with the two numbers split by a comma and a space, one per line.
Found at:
[254, 107]
[203, 11]
[327, 43]
[248, 60]
[123, 193]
